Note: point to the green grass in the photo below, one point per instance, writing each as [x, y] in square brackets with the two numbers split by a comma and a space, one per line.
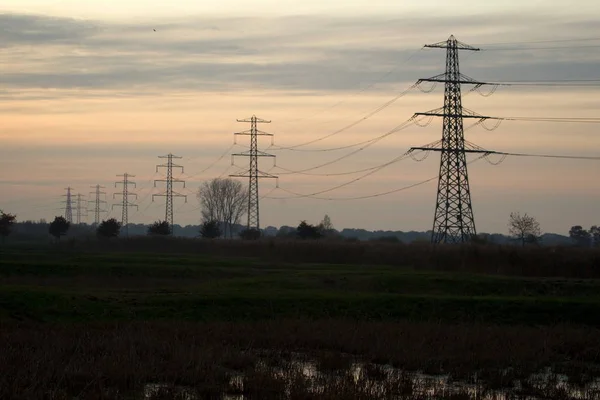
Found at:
[50, 285]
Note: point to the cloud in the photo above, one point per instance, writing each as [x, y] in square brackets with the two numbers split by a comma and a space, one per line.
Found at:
[18, 30]
[313, 53]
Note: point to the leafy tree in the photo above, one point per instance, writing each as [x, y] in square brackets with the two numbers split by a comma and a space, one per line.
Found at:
[308, 231]
[223, 200]
[580, 236]
[59, 227]
[109, 228]
[524, 228]
[210, 229]
[6, 224]
[159, 228]
[250, 234]
[595, 233]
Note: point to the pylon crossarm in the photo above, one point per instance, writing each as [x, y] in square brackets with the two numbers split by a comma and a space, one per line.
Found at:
[258, 133]
[452, 43]
[170, 156]
[463, 150]
[460, 81]
[167, 166]
[432, 114]
[249, 154]
[167, 180]
[254, 119]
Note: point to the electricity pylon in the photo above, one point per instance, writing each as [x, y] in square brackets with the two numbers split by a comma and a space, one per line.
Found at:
[68, 206]
[125, 204]
[79, 209]
[169, 193]
[454, 221]
[253, 174]
[97, 203]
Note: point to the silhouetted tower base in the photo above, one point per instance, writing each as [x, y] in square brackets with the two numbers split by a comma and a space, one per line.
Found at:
[253, 174]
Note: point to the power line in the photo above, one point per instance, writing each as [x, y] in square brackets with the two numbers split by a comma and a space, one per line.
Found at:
[587, 120]
[541, 41]
[289, 172]
[543, 48]
[213, 163]
[349, 146]
[560, 156]
[369, 143]
[373, 171]
[380, 194]
[351, 125]
[512, 82]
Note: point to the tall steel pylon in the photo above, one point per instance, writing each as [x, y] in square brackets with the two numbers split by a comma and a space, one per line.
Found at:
[169, 193]
[454, 221]
[68, 206]
[253, 174]
[125, 201]
[79, 209]
[97, 203]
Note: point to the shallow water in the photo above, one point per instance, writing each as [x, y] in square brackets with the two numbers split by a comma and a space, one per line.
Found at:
[379, 382]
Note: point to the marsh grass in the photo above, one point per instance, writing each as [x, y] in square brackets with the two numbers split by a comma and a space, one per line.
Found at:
[118, 360]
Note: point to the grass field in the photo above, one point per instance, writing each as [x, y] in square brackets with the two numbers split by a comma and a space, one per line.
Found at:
[84, 320]
[51, 285]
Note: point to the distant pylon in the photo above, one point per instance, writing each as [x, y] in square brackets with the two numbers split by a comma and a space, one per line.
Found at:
[454, 221]
[253, 174]
[125, 204]
[97, 203]
[69, 206]
[80, 209]
[169, 194]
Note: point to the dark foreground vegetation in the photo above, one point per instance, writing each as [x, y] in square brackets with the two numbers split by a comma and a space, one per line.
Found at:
[107, 319]
[118, 360]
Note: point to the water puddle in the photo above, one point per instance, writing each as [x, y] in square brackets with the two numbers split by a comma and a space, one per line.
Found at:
[307, 379]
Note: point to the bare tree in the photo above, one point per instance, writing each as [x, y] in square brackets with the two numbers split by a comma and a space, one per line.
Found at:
[524, 228]
[326, 223]
[223, 200]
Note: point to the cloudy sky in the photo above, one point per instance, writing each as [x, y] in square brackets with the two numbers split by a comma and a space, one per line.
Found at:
[90, 90]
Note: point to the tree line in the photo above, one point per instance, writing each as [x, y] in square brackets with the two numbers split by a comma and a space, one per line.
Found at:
[224, 202]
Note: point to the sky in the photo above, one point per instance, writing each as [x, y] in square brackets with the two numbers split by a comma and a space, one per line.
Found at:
[90, 90]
